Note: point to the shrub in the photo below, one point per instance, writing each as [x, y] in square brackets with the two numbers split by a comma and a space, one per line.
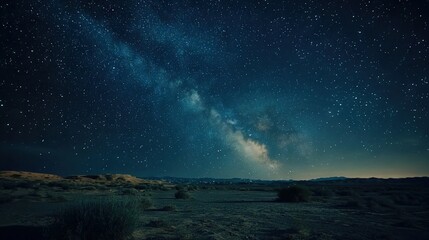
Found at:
[96, 220]
[293, 194]
[182, 194]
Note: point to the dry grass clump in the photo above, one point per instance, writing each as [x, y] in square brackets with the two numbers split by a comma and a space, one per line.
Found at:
[96, 220]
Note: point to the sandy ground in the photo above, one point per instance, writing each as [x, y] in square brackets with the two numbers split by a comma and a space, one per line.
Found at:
[232, 214]
[253, 215]
[346, 209]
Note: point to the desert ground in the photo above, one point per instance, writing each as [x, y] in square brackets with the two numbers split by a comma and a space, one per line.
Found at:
[337, 209]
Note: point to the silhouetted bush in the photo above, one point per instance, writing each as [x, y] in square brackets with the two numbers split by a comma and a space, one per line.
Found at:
[182, 194]
[293, 194]
[96, 220]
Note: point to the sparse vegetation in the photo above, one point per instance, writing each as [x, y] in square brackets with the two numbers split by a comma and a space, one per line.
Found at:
[96, 220]
[219, 211]
[182, 194]
[293, 194]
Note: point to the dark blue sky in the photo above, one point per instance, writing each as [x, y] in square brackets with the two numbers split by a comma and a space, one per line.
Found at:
[254, 89]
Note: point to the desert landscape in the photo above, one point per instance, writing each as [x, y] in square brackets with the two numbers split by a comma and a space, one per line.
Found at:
[214, 120]
[34, 204]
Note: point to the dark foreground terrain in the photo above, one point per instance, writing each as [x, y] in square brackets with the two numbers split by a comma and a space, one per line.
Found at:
[341, 209]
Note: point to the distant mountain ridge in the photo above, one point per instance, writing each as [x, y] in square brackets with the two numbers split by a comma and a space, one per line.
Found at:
[239, 180]
[182, 180]
[329, 179]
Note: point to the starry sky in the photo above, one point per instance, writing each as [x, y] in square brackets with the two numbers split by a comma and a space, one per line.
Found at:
[215, 88]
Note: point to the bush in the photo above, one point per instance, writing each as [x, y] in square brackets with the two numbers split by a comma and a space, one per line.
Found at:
[293, 194]
[182, 194]
[96, 220]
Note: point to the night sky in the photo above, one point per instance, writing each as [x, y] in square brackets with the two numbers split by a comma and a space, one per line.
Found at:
[250, 89]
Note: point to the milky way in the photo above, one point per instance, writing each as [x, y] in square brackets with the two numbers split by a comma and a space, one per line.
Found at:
[254, 89]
